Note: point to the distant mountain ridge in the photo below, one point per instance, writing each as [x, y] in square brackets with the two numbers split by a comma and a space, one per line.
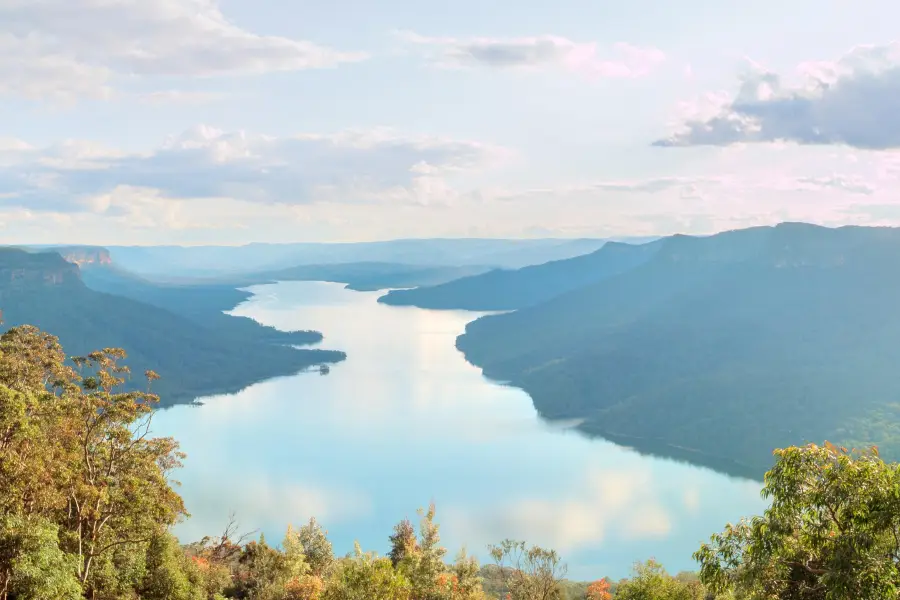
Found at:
[364, 276]
[504, 289]
[215, 261]
[720, 348]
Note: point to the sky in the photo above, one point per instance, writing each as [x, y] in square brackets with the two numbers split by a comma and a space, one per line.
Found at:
[236, 121]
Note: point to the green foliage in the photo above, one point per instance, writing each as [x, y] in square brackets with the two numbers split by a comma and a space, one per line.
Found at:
[651, 582]
[365, 576]
[316, 548]
[169, 571]
[425, 565]
[32, 565]
[76, 454]
[403, 541]
[464, 580]
[831, 531]
[86, 507]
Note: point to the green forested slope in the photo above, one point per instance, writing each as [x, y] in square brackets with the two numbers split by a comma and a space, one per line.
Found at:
[202, 303]
[510, 289]
[193, 359]
[726, 346]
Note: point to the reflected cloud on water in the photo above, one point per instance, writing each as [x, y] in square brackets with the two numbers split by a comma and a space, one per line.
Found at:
[405, 420]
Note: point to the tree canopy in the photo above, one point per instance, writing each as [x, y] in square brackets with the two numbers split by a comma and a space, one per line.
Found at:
[87, 507]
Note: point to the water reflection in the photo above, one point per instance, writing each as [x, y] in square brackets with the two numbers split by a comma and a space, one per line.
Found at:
[406, 420]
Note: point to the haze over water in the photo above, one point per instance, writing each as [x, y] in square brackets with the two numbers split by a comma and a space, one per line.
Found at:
[406, 420]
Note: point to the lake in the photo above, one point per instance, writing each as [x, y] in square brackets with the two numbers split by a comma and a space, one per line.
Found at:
[406, 420]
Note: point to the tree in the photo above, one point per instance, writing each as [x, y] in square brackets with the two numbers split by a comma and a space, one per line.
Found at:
[293, 556]
[169, 572]
[32, 565]
[32, 375]
[307, 587]
[365, 576]
[117, 478]
[428, 559]
[651, 582]
[463, 581]
[403, 542]
[421, 560]
[531, 573]
[832, 531]
[317, 548]
[75, 452]
[32, 360]
[599, 590]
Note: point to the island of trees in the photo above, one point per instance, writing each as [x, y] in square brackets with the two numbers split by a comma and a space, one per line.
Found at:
[86, 509]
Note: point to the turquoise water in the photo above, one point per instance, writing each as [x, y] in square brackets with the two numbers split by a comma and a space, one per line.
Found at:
[406, 420]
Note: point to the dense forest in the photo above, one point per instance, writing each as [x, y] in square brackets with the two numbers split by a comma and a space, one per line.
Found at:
[87, 507]
[181, 332]
[719, 349]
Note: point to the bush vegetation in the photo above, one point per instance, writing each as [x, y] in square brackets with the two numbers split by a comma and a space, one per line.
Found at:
[86, 511]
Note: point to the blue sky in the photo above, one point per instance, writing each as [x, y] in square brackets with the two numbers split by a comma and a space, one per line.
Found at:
[196, 121]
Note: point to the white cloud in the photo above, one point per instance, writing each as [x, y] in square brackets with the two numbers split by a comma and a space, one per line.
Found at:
[211, 185]
[65, 49]
[540, 52]
[29, 68]
[264, 503]
[204, 162]
[179, 97]
[850, 101]
[850, 184]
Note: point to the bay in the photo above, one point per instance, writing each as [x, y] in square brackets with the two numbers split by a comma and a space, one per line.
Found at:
[404, 421]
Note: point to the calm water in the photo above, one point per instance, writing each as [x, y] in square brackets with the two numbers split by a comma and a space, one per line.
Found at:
[405, 420]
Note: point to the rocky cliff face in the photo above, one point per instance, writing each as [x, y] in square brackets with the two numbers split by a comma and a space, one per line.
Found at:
[85, 255]
[20, 270]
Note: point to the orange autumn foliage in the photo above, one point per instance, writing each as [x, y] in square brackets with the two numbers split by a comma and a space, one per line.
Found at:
[599, 590]
[308, 587]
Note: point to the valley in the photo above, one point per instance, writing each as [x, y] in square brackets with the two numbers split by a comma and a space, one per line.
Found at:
[648, 383]
[713, 350]
[406, 408]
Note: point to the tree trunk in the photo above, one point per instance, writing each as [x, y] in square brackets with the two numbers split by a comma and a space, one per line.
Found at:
[4, 591]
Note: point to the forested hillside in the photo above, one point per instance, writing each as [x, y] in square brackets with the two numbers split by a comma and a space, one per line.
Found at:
[510, 289]
[205, 304]
[193, 354]
[720, 348]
